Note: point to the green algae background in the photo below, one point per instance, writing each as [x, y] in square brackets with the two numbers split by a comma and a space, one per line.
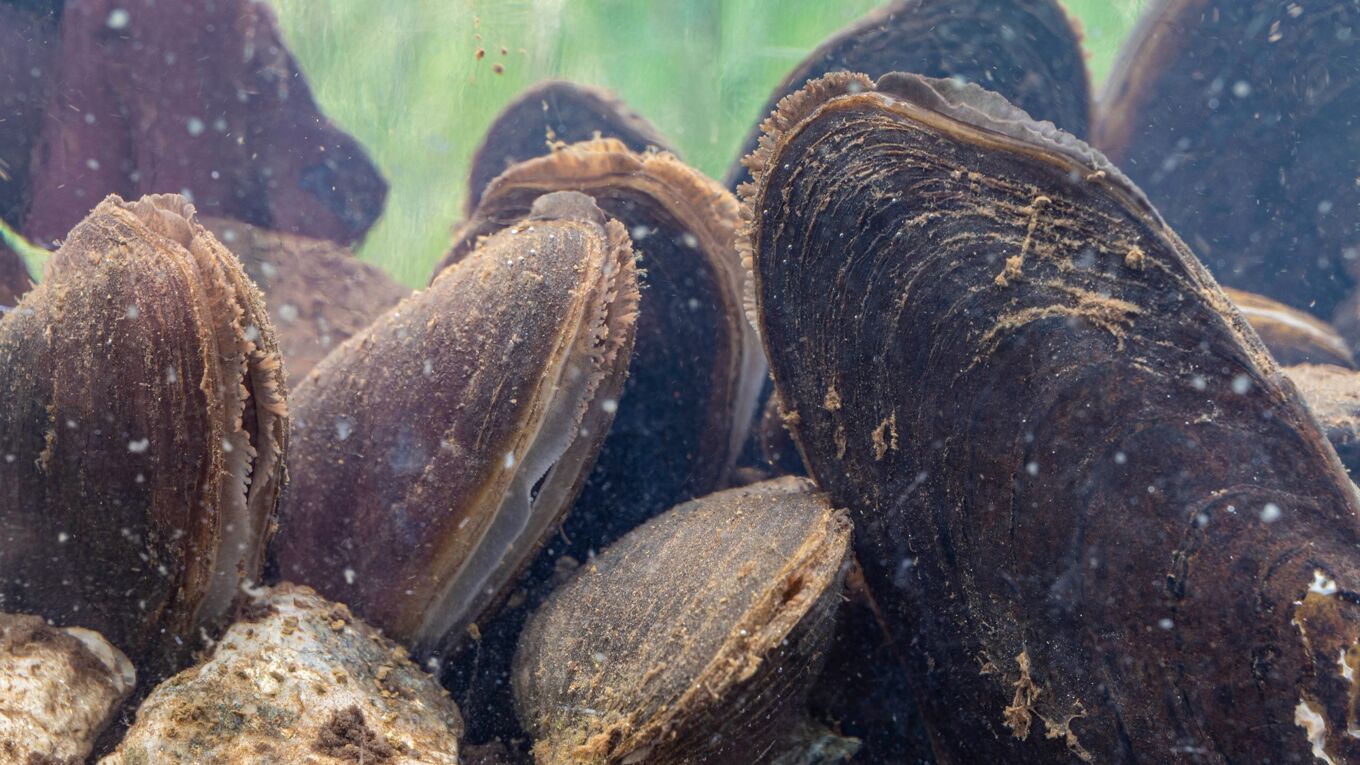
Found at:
[403, 76]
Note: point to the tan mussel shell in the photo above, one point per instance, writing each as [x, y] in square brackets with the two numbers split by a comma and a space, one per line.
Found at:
[142, 432]
[438, 447]
[318, 294]
[693, 639]
[1292, 336]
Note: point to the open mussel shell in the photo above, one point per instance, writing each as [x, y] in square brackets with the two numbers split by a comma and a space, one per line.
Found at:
[1088, 501]
[1239, 120]
[1333, 396]
[318, 294]
[60, 687]
[554, 113]
[142, 432]
[696, 369]
[437, 448]
[297, 679]
[694, 638]
[1292, 336]
[1027, 50]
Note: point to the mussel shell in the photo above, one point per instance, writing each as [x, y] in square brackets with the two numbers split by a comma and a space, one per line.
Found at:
[1292, 336]
[438, 447]
[318, 294]
[14, 281]
[694, 638]
[1027, 50]
[1087, 498]
[202, 96]
[696, 370]
[1333, 396]
[554, 113]
[296, 680]
[142, 431]
[1239, 119]
[61, 688]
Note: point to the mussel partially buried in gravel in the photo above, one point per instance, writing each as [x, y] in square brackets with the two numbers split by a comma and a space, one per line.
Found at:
[436, 449]
[693, 639]
[1078, 479]
[1240, 119]
[1027, 50]
[552, 113]
[142, 432]
[696, 369]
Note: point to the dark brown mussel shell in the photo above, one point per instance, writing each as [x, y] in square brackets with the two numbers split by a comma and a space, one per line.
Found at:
[1027, 50]
[438, 447]
[200, 96]
[1292, 336]
[690, 398]
[1105, 521]
[142, 432]
[318, 294]
[1333, 396]
[554, 113]
[1239, 119]
[692, 639]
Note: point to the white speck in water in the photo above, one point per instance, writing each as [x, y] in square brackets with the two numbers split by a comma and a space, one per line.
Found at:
[427, 368]
[344, 426]
[89, 118]
[92, 163]
[288, 313]
[1241, 88]
[509, 460]
[610, 405]
[640, 232]
[171, 376]
[133, 312]
[1032, 468]
[693, 304]
[349, 576]
[220, 125]
[1120, 458]
[70, 424]
[1165, 623]
[1322, 584]
[1241, 384]
[195, 126]
[9, 458]
[1270, 513]
[463, 523]
[215, 175]
[226, 446]
[118, 19]
[187, 194]
[141, 478]
[252, 333]
[690, 240]
[63, 537]
[1324, 207]
[1198, 382]
[138, 447]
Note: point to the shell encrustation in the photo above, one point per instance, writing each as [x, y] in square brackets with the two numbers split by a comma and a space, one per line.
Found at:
[142, 432]
[1092, 507]
[694, 638]
[696, 370]
[437, 448]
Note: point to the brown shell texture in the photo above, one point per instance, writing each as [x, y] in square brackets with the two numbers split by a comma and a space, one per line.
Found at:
[318, 294]
[696, 370]
[1333, 396]
[1103, 523]
[60, 689]
[142, 432]
[297, 680]
[692, 639]
[550, 114]
[1238, 118]
[439, 446]
[1027, 50]
[1292, 336]
[200, 96]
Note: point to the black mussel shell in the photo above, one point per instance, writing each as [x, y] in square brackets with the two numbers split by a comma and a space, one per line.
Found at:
[1026, 50]
[1105, 522]
[1240, 120]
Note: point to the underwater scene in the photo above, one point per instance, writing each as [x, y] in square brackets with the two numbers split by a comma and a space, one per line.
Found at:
[609, 382]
